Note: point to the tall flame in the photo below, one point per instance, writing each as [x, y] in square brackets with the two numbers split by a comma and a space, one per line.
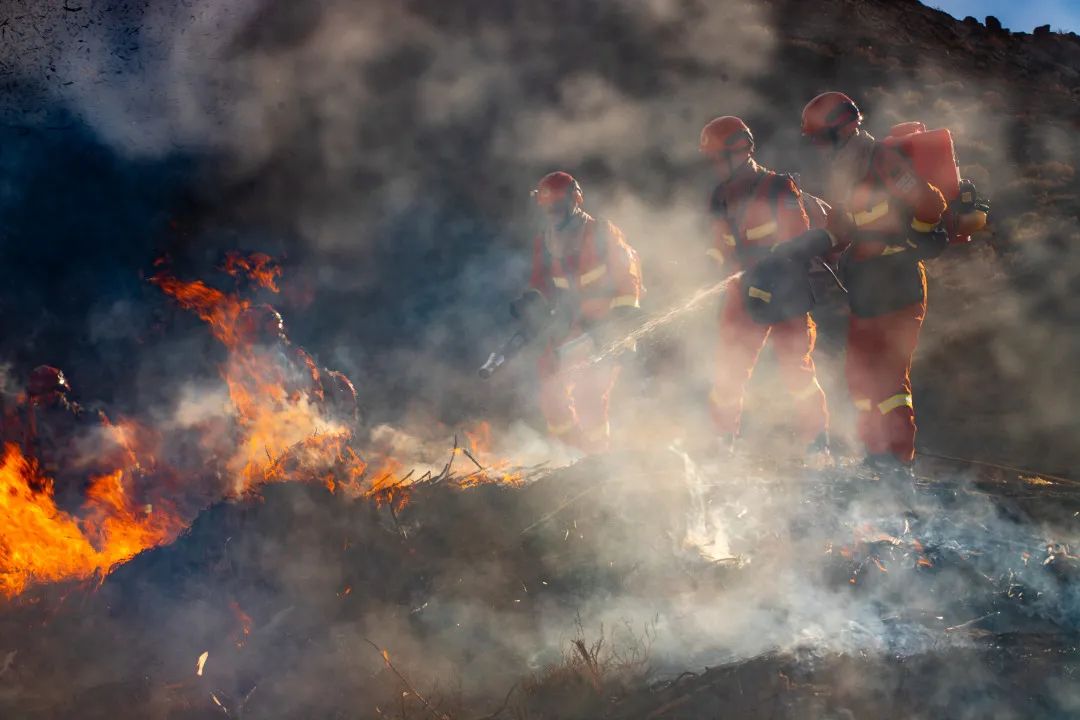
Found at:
[41, 543]
[279, 431]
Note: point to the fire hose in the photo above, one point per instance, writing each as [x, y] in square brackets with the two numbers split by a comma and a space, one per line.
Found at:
[996, 466]
[525, 335]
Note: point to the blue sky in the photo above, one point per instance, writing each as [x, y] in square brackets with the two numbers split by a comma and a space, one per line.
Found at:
[1017, 15]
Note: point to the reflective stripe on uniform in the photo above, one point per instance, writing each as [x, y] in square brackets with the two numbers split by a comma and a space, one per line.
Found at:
[868, 216]
[593, 275]
[561, 429]
[919, 226]
[756, 233]
[810, 390]
[599, 432]
[863, 405]
[896, 401]
[624, 301]
[729, 239]
[892, 250]
[560, 282]
[715, 255]
[722, 401]
[760, 294]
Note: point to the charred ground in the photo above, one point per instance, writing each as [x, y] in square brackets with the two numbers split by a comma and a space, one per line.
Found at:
[962, 611]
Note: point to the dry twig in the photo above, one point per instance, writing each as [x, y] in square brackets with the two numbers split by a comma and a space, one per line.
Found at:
[435, 712]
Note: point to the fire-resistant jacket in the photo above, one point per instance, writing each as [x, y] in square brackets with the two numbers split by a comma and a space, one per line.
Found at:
[886, 216]
[599, 274]
[753, 213]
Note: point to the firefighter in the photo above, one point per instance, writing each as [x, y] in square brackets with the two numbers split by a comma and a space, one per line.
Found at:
[888, 218]
[46, 424]
[341, 401]
[261, 329]
[586, 284]
[754, 210]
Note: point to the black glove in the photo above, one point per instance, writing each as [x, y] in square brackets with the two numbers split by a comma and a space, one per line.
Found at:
[970, 200]
[806, 246]
[533, 311]
[928, 245]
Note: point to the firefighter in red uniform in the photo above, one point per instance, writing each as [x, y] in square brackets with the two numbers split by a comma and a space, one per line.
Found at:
[753, 210]
[262, 329]
[889, 220]
[46, 424]
[586, 279]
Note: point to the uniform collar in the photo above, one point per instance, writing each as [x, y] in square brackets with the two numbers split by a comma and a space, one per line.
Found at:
[570, 235]
[744, 179]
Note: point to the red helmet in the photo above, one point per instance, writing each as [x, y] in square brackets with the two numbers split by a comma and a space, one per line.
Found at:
[557, 187]
[727, 135]
[45, 380]
[830, 118]
[340, 395]
[260, 324]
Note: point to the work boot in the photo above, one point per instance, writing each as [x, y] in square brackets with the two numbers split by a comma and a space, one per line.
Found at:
[818, 455]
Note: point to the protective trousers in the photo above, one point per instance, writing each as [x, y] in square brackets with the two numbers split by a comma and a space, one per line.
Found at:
[879, 351]
[574, 399]
[740, 343]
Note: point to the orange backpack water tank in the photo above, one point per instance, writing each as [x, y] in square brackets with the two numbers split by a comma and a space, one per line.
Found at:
[933, 158]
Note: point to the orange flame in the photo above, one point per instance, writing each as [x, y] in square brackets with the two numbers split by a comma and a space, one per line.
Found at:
[41, 543]
[243, 619]
[279, 434]
[260, 268]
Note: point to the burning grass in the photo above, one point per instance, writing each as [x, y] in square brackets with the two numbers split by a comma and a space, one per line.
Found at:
[266, 606]
[276, 428]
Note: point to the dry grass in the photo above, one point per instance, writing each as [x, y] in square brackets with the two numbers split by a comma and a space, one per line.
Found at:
[1051, 170]
[590, 676]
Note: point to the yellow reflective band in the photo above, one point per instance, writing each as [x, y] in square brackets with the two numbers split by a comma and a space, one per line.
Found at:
[863, 405]
[892, 250]
[599, 432]
[593, 275]
[729, 239]
[810, 390]
[560, 282]
[896, 401]
[875, 213]
[760, 294]
[624, 301]
[756, 233]
[561, 429]
[715, 255]
[920, 226]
